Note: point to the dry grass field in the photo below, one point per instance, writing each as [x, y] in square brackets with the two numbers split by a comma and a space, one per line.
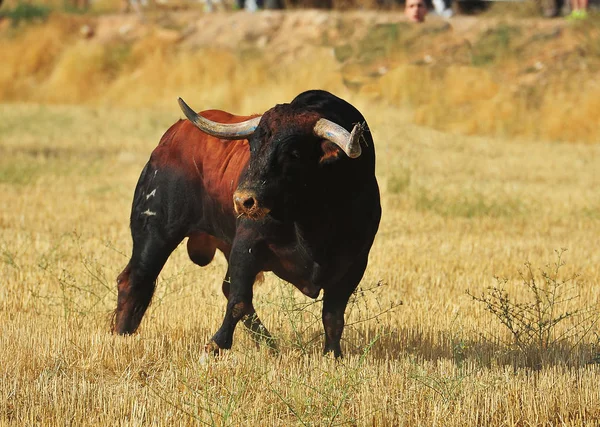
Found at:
[461, 214]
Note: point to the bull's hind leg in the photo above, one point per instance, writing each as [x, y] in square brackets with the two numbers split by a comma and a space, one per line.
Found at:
[137, 281]
[155, 236]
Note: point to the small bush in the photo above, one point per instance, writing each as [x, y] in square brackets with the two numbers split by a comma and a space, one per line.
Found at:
[549, 322]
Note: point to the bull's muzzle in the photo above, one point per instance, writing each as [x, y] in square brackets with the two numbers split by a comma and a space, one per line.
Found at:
[246, 204]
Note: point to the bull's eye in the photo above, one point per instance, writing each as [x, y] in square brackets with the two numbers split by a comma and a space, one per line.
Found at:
[295, 154]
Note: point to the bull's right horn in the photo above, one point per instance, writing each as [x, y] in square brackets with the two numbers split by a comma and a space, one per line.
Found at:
[349, 142]
[220, 130]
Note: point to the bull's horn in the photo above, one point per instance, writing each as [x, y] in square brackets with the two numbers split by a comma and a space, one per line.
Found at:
[347, 141]
[220, 130]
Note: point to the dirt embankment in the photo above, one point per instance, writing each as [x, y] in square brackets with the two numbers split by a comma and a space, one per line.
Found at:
[369, 39]
[471, 74]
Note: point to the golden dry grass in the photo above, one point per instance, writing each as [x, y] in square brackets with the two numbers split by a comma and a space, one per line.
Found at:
[457, 211]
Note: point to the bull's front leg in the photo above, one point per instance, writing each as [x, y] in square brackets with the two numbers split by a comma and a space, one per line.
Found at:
[259, 333]
[244, 265]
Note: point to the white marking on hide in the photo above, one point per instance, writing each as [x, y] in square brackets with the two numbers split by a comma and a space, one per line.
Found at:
[148, 212]
[196, 165]
[152, 194]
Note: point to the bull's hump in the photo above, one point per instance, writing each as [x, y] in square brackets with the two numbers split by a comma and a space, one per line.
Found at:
[225, 117]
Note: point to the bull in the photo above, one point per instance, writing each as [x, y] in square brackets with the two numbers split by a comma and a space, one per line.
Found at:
[292, 191]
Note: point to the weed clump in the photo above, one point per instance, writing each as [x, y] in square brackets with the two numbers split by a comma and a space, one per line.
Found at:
[548, 323]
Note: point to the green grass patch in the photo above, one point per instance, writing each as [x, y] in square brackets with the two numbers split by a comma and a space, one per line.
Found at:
[18, 173]
[25, 167]
[466, 205]
[494, 44]
[115, 59]
[34, 120]
[399, 181]
[343, 52]
[27, 12]
[380, 40]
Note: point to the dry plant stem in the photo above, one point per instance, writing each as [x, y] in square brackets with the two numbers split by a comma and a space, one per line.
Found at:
[536, 321]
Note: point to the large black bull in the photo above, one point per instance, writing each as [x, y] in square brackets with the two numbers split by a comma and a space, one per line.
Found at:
[292, 191]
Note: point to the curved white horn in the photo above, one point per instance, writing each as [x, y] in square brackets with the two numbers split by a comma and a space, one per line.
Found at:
[220, 130]
[349, 142]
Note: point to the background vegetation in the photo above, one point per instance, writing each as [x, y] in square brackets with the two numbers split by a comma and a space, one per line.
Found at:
[488, 75]
[470, 313]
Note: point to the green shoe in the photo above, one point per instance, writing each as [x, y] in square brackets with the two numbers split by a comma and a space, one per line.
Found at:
[577, 15]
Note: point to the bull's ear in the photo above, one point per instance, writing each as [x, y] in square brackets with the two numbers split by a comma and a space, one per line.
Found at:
[331, 152]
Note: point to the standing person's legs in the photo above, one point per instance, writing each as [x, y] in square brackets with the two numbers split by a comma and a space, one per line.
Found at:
[578, 9]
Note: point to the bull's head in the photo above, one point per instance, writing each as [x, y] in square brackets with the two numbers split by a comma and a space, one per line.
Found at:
[286, 149]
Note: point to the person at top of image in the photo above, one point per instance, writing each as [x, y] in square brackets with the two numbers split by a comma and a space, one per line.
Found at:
[415, 10]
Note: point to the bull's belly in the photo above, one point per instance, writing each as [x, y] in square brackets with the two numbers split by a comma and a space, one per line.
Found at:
[309, 289]
[301, 278]
[305, 273]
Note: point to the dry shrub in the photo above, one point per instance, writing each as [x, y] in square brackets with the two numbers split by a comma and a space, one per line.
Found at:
[571, 115]
[106, 6]
[210, 78]
[505, 96]
[29, 57]
[407, 84]
[318, 72]
[464, 85]
[205, 77]
[519, 9]
[77, 76]
[471, 100]
[354, 4]
[461, 98]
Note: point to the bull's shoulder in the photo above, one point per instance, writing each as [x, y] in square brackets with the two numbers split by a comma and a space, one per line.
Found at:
[198, 156]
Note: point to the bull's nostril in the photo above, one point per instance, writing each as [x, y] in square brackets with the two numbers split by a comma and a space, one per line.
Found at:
[249, 202]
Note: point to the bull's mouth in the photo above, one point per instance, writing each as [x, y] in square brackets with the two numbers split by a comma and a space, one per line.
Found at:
[254, 214]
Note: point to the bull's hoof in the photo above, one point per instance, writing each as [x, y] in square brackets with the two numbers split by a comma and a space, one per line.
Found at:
[212, 348]
[121, 327]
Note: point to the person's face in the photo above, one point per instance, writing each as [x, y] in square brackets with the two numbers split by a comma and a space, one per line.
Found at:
[415, 10]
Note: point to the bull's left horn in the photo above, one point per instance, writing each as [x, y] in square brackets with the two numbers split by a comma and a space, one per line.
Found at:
[349, 142]
[220, 130]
